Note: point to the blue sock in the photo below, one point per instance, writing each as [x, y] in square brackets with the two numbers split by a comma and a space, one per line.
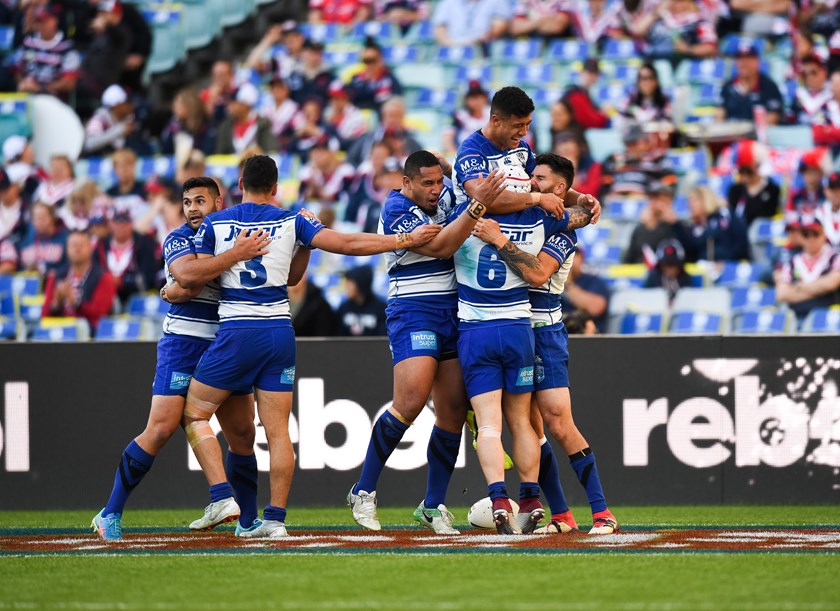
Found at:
[583, 463]
[386, 435]
[529, 490]
[242, 475]
[550, 481]
[134, 464]
[219, 492]
[441, 456]
[497, 490]
[274, 513]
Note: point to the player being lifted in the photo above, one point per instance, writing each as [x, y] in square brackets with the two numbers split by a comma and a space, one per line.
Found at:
[255, 344]
[422, 332]
[189, 327]
[546, 273]
[496, 343]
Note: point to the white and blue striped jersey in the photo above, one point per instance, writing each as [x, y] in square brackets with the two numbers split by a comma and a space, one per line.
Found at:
[415, 279]
[198, 317]
[254, 293]
[545, 300]
[488, 290]
[478, 156]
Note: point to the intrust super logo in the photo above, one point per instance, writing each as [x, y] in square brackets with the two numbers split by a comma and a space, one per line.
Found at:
[14, 429]
[771, 412]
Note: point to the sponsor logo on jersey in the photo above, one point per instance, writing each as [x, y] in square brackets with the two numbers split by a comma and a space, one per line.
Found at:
[472, 163]
[424, 340]
[175, 245]
[179, 380]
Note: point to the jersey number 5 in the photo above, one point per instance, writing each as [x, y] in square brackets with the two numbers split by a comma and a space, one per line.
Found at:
[256, 274]
[491, 269]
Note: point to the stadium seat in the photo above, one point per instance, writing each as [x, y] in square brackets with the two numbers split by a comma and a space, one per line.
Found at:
[822, 320]
[619, 49]
[603, 254]
[155, 166]
[440, 99]
[7, 35]
[534, 74]
[545, 96]
[455, 55]
[168, 44]
[701, 71]
[516, 51]
[714, 300]
[117, 328]
[200, 24]
[738, 273]
[768, 321]
[633, 323]
[464, 74]
[695, 322]
[62, 329]
[689, 160]
[613, 94]
[235, 12]
[732, 42]
[641, 301]
[624, 209]
[378, 30]
[568, 50]
[147, 306]
[422, 31]
[340, 58]
[322, 32]
[800, 137]
[8, 328]
[603, 142]
[752, 297]
[398, 54]
[420, 75]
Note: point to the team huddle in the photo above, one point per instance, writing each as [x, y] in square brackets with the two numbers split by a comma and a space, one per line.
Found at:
[477, 256]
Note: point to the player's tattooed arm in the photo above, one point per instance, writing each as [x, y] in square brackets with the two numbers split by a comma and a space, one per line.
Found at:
[520, 262]
[533, 270]
[579, 216]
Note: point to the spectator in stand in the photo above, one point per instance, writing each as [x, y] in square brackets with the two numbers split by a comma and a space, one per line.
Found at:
[131, 258]
[128, 192]
[75, 214]
[563, 122]
[312, 78]
[469, 22]
[83, 288]
[189, 126]
[112, 124]
[392, 129]
[675, 29]
[579, 322]
[279, 51]
[813, 167]
[129, 17]
[595, 21]
[47, 61]
[762, 18]
[588, 172]
[749, 90]
[344, 12]
[587, 292]
[669, 272]
[325, 179]
[217, 96]
[362, 313]
[8, 257]
[813, 94]
[280, 111]
[364, 206]
[366, 189]
[60, 181]
[19, 157]
[43, 248]
[812, 278]
[634, 169]
[312, 315]
[472, 117]
[823, 18]
[13, 211]
[585, 109]
[827, 127]
[342, 118]
[376, 83]
[828, 213]
[752, 195]
[402, 13]
[547, 18]
[648, 102]
[308, 127]
[658, 222]
[714, 234]
[243, 127]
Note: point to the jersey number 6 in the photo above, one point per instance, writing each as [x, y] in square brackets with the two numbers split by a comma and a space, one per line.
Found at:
[491, 269]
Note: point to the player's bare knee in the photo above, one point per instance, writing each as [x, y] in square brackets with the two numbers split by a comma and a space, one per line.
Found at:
[241, 439]
[160, 432]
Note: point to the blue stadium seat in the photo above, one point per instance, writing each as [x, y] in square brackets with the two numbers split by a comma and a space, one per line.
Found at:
[706, 94]
[378, 30]
[567, 50]
[200, 24]
[119, 329]
[285, 165]
[760, 321]
[322, 32]
[235, 12]
[7, 35]
[602, 253]
[702, 71]
[516, 51]
[623, 282]
[603, 142]
[695, 322]
[624, 209]
[681, 206]
[155, 166]
[822, 320]
[422, 31]
[534, 74]
[752, 297]
[8, 328]
[168, 41]
[614, 94]
[633, 323]
[7, 304]
[401, 53]
[98, 169]
[441, 99]
[342, 58]
[626, 74]
[546, 96]
[731, 42]
[619, 49]
[688, 160]
[483, 74]
[738, 273]
[62, 330]
[455, 55]
[147, 306]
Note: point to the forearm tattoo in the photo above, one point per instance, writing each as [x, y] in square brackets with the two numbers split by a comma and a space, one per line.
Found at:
[579, 216]
[403, 241]
[518, 260]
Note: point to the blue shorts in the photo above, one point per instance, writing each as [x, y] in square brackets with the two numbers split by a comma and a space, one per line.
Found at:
[263, 358]
[497, 356]
[177, 358]
[414, 332]
[551, 363]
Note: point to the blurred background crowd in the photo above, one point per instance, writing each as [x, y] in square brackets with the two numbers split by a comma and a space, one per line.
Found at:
[709, 129]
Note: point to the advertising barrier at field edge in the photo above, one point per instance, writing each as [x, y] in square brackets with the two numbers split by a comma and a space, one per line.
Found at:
[672, 420]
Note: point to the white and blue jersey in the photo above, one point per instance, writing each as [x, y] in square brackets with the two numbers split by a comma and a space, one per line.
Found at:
[488, 290]
[198, 317]
[477, 156]
[415, 279]
[253, 292]
[545, 300]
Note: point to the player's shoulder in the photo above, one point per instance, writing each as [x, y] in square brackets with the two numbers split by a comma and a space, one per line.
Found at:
[396, 202]
[184, 231]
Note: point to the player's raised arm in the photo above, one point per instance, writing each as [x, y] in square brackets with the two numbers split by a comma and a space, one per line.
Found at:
[192, 272]
[360, 244]
[533, 270]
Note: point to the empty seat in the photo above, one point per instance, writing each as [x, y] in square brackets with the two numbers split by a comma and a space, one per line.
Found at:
[752, 297]
[516, 51]
[768, 320]
[637, 300]
[695, 322]
[62, 330]
[713, 300]
[633, 323]
[147, 306]
[738, 273]
[822, 320]
[567, 50]
[603, 142]
[118, 328]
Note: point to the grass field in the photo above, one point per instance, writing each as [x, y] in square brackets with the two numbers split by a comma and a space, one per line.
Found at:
[371, 580]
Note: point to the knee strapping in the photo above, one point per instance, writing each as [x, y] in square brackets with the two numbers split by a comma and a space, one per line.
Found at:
[198, 408]
[198, 431]
[489, 432]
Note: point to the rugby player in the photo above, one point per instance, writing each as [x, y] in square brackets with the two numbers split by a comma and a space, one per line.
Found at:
[422, 334]
[255, 344]
[190, 325]
[546, 274]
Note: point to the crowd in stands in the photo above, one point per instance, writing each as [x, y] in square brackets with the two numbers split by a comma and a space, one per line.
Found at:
[330, 96]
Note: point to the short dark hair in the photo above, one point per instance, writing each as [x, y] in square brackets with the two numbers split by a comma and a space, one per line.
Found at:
[511, 102]
[202, 182]
[259, 174]
[84, 232]
[559, 165]
[370, 43]
[417, 160]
